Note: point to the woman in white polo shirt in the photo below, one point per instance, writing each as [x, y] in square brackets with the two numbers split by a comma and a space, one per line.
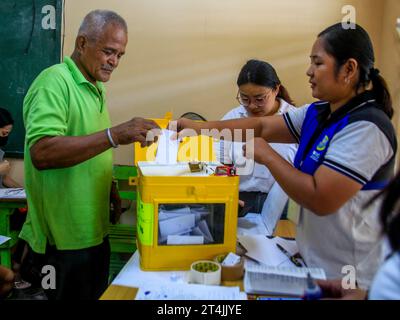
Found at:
[346, 154]
[260, 94]
[386, 284]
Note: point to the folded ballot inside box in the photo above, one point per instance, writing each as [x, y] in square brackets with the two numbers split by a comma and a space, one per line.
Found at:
[278, 280]
[185, 224]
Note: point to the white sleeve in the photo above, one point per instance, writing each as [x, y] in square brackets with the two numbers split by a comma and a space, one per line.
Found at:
[386, 284]
[294, 120]
[358, 151]
[228, 116]
[232, 114]
[286, 150]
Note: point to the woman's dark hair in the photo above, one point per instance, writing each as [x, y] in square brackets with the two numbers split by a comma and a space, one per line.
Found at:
[390, 212]
[193, 116]
[344, 44]
[5, 118]
[263, 74]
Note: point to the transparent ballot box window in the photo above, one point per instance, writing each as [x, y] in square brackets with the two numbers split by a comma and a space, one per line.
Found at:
[191, 224]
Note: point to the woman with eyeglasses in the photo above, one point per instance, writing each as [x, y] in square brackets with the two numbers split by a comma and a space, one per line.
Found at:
[260, 94]
[346, 154]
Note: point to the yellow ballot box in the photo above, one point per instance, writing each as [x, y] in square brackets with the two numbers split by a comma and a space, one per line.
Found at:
[184, 216]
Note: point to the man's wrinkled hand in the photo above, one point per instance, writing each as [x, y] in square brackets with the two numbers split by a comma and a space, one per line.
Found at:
[139, 130]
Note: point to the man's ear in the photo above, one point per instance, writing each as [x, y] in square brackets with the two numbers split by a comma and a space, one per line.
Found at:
[81, 43]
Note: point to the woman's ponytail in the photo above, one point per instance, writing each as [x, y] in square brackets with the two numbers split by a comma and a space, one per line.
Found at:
[381, 91]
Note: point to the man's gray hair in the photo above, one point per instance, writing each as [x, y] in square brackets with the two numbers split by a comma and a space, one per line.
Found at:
[95, 21]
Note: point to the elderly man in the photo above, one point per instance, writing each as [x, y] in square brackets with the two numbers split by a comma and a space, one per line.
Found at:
[68, 162]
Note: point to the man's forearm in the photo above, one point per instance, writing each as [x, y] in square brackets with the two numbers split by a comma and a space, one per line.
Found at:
[63, 152]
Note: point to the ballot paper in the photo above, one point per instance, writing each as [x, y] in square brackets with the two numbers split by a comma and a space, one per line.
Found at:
[180, 169]
[176, 226]
[189, 292]
[203, 226]
[252, 224]
[165, 214]
[184, 239]
[164, 170]
[273, 207]
[264, 250]
[184, 225]
[264, 223]
[197, 231]
[167, 150]
[200, 212]
[286, 280]
[132, 276]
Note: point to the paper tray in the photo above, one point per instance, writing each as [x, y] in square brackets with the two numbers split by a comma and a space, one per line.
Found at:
[180, 169]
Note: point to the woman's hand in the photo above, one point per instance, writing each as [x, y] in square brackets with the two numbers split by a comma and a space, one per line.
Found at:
[185, 127]
[333, 289]
[257, 149]
[4, 168]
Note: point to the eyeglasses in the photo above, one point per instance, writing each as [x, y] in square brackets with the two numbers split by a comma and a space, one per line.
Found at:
[258, 101]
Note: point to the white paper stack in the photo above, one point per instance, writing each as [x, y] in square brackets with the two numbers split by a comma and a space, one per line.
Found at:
[286, 280]
[189, 292]
[12, 193]
[187, 225]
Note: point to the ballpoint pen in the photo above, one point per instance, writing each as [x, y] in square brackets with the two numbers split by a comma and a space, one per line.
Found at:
[313, 290]
[291, 257]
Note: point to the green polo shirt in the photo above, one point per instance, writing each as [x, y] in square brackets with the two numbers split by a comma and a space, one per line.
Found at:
[68, 207]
